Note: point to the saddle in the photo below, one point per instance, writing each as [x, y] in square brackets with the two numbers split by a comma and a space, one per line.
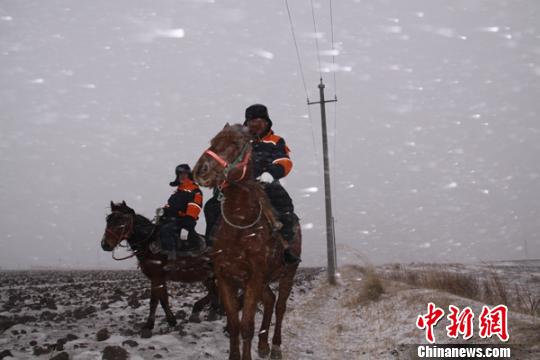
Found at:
[191, 247]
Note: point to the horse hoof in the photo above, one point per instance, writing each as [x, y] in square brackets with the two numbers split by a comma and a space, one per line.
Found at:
[263, 351]
[146, 333]
[172, 322]
[148, 326]
[212, 316]
[275, 353]
[194, 318]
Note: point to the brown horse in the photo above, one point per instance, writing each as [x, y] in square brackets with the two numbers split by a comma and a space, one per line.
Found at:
[140, 232]
[247, 255]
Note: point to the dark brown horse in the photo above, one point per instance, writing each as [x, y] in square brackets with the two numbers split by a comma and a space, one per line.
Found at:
[247, 254]
[139, 232]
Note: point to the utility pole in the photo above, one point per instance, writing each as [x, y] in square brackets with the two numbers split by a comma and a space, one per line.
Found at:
[330, 235]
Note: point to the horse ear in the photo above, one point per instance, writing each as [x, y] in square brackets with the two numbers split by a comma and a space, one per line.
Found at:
[126, 208]
[226, 125]
[112, 205]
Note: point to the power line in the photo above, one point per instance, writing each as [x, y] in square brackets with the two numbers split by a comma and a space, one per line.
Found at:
[334, 70]
[333, 46]
[296, 47]
[330, 228]
[316, 38]
[301, 68]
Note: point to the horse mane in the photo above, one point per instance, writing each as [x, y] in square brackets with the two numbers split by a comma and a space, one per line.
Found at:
[145, 228]
[230, 132]
[142, 220]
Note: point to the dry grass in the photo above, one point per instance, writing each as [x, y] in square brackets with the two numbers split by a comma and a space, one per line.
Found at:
[371, 288]
[452, 282]
[495, 291]
[527, 301]
[490, 289]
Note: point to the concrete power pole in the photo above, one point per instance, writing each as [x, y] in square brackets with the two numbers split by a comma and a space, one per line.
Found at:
[330, 234]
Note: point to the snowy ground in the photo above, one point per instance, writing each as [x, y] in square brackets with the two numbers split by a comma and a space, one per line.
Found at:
[40, 309]
[330, 322]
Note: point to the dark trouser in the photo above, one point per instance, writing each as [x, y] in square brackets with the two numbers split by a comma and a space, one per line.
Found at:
[169, 234]
[282, 203]
[280, 200]
[212, 212]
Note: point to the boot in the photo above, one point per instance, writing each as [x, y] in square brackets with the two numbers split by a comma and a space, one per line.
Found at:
[290, 258]
[289, 221]
[171, 262]
[196, 245]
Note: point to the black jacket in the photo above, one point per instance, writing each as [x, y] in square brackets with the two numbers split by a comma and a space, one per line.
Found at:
[185, 204]
[271, 154]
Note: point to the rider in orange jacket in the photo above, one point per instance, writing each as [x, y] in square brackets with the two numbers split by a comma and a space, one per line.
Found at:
[181, 212]
[271, 162]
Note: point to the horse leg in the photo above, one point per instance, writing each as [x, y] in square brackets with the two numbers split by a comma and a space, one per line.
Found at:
[230, 302]
[247, 325]
[269, 300]
[285, 286]
[164, 300]
[215, 306]
[154, 298]
[197, 308]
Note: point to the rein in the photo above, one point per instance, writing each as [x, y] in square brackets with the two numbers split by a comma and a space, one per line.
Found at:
[135, 253]
[241, 227]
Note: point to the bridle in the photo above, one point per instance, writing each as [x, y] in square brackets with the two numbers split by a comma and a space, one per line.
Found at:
[126, 233]
[241, 161]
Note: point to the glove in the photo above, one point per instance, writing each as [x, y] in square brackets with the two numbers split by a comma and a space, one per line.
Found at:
[266, 177]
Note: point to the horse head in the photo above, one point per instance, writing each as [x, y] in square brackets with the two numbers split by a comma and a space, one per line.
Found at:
[120, 225]
[229, 151]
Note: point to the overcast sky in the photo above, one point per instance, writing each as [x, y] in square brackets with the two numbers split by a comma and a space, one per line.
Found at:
[434, 142]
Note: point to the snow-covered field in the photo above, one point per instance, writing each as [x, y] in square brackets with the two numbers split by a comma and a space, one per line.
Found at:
[59, 313]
